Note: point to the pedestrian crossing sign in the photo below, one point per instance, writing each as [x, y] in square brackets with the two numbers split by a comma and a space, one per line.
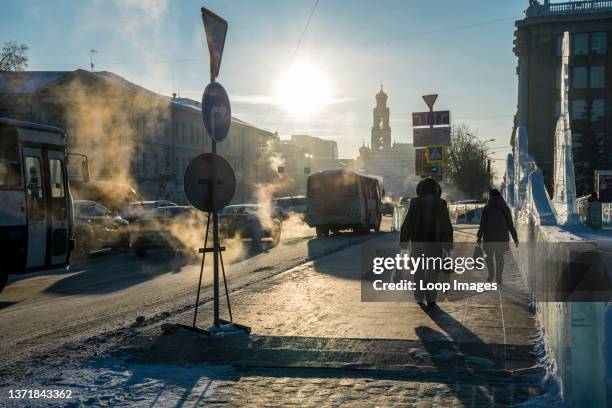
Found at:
[435, 154]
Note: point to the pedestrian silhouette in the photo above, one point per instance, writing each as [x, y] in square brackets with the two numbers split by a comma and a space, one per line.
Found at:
[495, 226]
[428, 231]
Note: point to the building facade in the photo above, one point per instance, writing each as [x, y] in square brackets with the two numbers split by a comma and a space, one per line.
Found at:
[303, 155]
[538, 48]
[132, 135]
[316, 147]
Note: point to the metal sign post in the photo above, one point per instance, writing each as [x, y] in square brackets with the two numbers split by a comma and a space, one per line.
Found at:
[431, 130]
[214, 192]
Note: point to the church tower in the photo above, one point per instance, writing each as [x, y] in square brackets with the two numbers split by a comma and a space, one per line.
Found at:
[381, 132]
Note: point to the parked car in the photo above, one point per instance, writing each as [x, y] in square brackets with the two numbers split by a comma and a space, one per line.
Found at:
[284, 206]
[96, 228]
[387, 207]
[135, 210]
[245, 220]
[172, 227]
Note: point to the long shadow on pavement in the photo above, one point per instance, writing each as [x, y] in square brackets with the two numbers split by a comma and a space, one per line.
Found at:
[290, 356]
[96, 279]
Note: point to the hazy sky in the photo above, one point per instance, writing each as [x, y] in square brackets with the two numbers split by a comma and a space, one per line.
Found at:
[458, 48]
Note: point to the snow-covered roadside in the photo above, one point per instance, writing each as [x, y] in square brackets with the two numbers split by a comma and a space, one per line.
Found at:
[114, 382]
[552, 396]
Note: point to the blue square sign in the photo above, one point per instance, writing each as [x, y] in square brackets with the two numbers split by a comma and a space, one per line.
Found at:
[435, 154]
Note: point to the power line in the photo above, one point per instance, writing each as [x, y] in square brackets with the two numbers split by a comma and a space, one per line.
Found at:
[260, 50]
[297, 47]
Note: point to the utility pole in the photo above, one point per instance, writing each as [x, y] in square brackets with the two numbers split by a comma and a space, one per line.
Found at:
[91, 61]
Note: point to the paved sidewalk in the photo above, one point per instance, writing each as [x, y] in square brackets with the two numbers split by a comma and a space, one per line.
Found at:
[314, 341]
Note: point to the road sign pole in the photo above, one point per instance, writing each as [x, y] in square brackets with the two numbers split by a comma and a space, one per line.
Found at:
[215, 245]
[215, 228]
[216, 114]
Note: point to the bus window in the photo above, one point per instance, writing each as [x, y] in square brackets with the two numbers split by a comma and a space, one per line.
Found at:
[332, 186]
[58, 189]
[36, 203]
[10, 172]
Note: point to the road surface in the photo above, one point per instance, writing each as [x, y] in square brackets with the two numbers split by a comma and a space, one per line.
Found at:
[41, 312]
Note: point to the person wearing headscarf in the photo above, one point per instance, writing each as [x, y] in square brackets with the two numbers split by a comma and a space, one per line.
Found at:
[428, 231]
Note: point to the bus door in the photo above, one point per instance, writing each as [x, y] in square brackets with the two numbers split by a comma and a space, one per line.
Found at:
[59, 207]
[37, 216]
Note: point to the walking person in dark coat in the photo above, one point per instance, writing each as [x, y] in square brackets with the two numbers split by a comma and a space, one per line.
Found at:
[428, 230]
[495, 225]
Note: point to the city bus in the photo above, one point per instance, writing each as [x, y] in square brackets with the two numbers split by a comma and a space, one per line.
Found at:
[36, 219]
[343, 199]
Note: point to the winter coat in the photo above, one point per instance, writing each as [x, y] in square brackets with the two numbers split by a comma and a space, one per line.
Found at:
[496, 222]
[427, 219]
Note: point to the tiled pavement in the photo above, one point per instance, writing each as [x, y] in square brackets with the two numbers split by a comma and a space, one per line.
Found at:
[315, 342]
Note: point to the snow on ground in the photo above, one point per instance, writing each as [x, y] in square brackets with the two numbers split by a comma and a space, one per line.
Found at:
[113, 382]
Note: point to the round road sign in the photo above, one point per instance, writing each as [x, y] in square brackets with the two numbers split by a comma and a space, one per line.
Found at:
[199, 177]
[216, 111]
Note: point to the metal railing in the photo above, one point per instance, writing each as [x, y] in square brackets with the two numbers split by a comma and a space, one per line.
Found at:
[572, 7]
[459, 214]
[465, 213]
[606, 211]
[399, 212]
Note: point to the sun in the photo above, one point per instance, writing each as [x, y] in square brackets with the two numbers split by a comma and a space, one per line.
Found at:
[304, 89]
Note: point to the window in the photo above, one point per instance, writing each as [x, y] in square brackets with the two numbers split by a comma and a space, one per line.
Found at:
[191, 137]
[598, 43]
[58, 191]
[577, 111]
[10, 171]
[598, 76]
[156, 171]
[558, 78]
[36, 199]
[597, 112]
[101, 211]
[183, 132]
[86, 210]
[557, 108]
[581, 44]
[579, 80]
[57, 178]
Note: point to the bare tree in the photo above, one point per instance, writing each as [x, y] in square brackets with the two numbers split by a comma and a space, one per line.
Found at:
[13, 57]
[467, 158]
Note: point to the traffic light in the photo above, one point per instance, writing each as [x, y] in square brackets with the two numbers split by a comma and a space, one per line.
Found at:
[435, 169]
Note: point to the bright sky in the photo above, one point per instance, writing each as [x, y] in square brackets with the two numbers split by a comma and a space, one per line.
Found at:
[322, 83]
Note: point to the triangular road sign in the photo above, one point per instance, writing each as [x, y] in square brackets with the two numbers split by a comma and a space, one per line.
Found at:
[430, 100]
[215, 28]
[435, 154]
